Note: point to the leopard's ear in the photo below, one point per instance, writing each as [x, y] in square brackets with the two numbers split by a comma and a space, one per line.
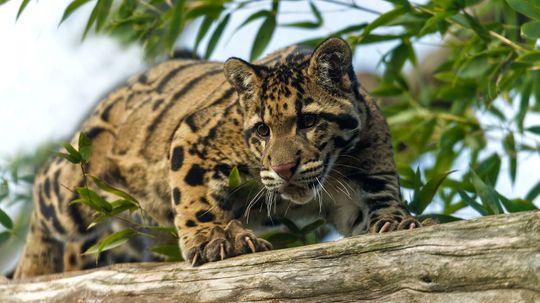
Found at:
[243, 76]
[331, 64]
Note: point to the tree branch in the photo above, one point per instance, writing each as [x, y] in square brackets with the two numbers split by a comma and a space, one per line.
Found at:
[490, 259]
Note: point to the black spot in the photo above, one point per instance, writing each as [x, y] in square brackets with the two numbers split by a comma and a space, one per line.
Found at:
[106, 112]
[308, 101]
[47, 188]
[170, 216]
[205, 201]
[339, 142]
[168, 77]
[204, 216]
[344, 121]
[49, 212]
[285, 106]
[72, 260]
[372, 185]
[88, 243]
[359, 218]
[190, 121]
[157, 104]
[56, 185]
[176, 195]
[224, 169]
[94, 132]
[374, 206]
[177, 158]
[190, 223]
[195, 175]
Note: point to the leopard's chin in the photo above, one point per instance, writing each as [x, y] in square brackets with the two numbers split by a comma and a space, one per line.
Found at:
[297, 195]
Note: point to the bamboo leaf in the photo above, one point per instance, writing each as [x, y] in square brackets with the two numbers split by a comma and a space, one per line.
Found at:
[85, 147]
[516, 205]
[24, 3]
[176, 25]
[234, 178]
[170, 251]
[290, 225]
[263, 37]
[384, 19]
[312, 226]
[533, 192]
[5, 220]
[71, 8]
[218, 32]
[113, 190]
[509, 145]
[111, 241]
[472, 203]
[203, 29]
[439, 218]
[92, 199]
[489, 197]
[534, 129]
[259, 14]
[424, 197]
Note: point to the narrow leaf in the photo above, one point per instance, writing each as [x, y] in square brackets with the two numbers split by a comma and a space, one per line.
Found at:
[290, 225]
[312, 226]
[72, 7]
[5, 220]
[534, 192]
[534, 129]
[439, 218]
[427, 192]
[113, 190]
[517, 205]
[4, 236]
[21, 8]
[170, 251]
[263, 37]
[234, 178]
[488, 195]
[203, 29]
[384, 19]
[111, 241]
[176, 24]
[85, 146]
[218, 32]
[475, 205]
[92, 199]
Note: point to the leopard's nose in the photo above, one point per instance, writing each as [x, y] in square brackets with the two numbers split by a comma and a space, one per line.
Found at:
[285, 171]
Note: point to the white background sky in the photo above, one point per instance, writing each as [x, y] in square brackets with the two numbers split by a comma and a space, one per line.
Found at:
[49, 81]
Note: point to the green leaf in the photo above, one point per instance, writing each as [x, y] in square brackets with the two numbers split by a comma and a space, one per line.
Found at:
[70, 158]
[21, 8]
[203, 29]
[531, 30]
[73, 154]
[516, 205]
[85, 147]
[489, 168]
[534, 129]
[263, 37]
[488, 195]
[528, 8]
[253, 17]
[4, 236]
[290, 225]
[205, 9]
[72, 7]
[113, 190]
[534, 192]
[176, 25]
[386, 89]
[92, 199]
[234, 178]
[170, 251]
[472, 203]
[218, 32]
[312, 226]
[424, 197]
[5, 220]
[111, 241]
[509, 145]
[384, 19]
[309, 24]
[3, 2]
[431, 23]
[530, 57]
[439, 217]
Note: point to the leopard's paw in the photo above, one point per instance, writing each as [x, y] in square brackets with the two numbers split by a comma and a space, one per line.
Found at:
[390, 223]
[222, 243]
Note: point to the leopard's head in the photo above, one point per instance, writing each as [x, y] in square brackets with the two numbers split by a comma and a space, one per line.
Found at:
[299, 116]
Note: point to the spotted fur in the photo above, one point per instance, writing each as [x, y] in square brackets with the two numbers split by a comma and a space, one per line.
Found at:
[296, 122]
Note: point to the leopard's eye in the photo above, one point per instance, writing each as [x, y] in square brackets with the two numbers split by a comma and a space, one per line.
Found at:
[263, 130]
[307, 121]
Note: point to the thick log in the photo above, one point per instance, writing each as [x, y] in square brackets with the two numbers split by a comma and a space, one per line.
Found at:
[490, 259]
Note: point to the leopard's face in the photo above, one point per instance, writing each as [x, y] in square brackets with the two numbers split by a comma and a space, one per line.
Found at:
[297, 122]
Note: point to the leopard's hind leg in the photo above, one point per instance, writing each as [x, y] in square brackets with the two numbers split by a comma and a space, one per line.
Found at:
[54, 220]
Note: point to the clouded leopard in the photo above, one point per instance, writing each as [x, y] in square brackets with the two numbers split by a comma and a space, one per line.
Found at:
[297, 122]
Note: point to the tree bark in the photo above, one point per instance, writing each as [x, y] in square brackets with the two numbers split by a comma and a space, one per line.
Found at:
[490, 259]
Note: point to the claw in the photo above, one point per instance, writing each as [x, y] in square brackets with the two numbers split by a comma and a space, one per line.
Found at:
[195, 259]
[412, 225]
[385, 227]
[250, 244]
[221, 251]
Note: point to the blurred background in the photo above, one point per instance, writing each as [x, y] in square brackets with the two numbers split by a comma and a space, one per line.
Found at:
[457, 80]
